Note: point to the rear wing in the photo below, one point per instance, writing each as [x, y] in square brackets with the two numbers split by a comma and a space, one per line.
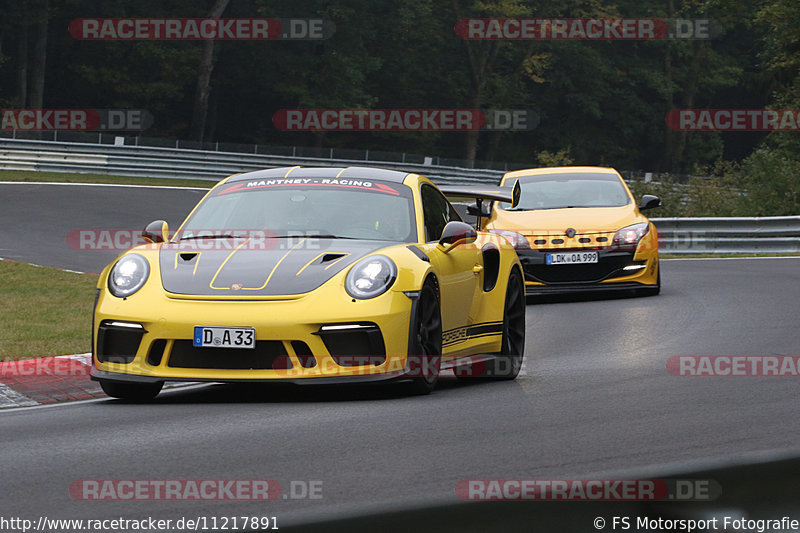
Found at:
[481, 193]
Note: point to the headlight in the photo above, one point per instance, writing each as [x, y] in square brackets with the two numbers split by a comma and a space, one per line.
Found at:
[128, 275]
[517, 240]
[628, 237]
[370, 277]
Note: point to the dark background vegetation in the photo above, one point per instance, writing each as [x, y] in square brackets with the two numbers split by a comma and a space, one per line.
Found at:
[600, 102]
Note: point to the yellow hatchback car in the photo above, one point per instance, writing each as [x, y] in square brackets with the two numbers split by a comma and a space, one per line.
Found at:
[578, 229]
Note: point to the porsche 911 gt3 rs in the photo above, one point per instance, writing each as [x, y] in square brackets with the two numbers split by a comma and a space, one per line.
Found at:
[578, 229]
[312, 275]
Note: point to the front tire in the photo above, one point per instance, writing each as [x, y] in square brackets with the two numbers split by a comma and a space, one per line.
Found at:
[131, 391]
[425, 348]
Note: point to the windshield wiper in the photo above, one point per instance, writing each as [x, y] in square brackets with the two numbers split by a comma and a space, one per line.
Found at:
[191, 237]
[330, 236]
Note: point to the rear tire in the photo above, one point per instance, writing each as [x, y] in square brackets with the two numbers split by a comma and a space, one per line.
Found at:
[425, 350]
[508, 361]
[131, 391]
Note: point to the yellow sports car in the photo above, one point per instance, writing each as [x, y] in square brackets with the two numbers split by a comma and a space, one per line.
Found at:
[578, 229]
[312, 275]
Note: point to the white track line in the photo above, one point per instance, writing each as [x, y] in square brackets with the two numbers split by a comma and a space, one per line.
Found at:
[106, 185]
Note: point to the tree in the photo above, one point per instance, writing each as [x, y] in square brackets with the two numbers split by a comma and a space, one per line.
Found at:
[200, 112]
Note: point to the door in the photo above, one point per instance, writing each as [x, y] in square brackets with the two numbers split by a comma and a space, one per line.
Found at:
[458, 269]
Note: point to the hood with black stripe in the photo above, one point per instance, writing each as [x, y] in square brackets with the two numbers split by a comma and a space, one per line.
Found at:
[278, 267]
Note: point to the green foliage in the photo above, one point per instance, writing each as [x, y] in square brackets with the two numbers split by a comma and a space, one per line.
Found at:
[772, 178]
[557, 159]
[599, 102]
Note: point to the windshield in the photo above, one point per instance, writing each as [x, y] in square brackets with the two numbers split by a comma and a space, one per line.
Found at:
[558, 191]
[354, 209]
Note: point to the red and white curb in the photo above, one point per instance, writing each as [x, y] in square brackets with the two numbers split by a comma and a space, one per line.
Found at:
[46, 380]
[49, 380]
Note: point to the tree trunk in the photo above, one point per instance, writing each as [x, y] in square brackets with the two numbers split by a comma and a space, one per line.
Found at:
[39, 59]
[22, 67]
[494, 145]
[688, 103]
[471, 139]
[200, 112]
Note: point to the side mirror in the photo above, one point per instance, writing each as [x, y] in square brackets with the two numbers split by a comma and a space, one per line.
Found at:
[649, 202]
[455, 233]
[156, 231]
[480, 209]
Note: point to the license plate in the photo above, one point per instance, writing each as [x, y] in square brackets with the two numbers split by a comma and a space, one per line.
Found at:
[214, 337]
[571, 258]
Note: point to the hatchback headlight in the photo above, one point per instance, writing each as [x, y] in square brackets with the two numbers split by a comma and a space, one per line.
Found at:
[629, 236]
[517, 240]
[370, 277]
[128, 275]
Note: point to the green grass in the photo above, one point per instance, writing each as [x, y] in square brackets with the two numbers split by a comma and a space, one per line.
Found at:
[44, 311]
[60, 177]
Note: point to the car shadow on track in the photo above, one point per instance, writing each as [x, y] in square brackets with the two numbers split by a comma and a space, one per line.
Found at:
[584, 297]
[290, 393]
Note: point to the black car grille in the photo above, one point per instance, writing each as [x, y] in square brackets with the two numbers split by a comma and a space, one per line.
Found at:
[355, 347]
[610, 265]
[116, 344]
[267, 355]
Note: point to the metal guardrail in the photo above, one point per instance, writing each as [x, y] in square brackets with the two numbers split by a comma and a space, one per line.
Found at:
[729, 235]
[157, 162]
[677, 235]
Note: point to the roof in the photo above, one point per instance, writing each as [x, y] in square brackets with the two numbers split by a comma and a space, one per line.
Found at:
[521, 174]
[323, 172]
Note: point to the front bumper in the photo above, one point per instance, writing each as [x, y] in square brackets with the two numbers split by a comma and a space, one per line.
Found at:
[615, 270]
[118, 377]
[293, 341]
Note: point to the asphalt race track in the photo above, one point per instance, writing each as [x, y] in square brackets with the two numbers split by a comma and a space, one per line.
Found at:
[595, 396]
[37, 219]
